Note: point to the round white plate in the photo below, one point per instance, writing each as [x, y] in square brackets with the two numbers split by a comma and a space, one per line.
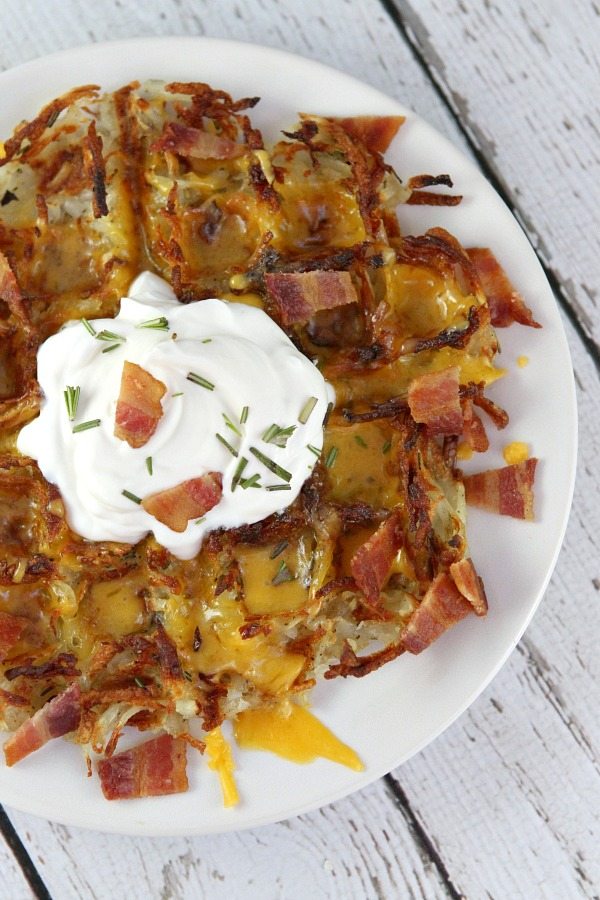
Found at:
[395, 712]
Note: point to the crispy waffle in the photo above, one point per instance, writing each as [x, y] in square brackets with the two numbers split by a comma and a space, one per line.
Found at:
[371, 560]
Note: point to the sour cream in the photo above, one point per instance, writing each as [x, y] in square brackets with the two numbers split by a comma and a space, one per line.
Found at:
[239, 350]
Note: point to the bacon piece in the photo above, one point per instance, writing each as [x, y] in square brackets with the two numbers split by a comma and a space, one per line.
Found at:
[375, 132]
[434, 401]
[506, 305]
[96, 171]
[188, 500]
[470, 585]
[370, 565]
[442, 606]
[60, 716]
[152, 769]
[11, 629]
[138, 408]
[473, 433]
[508, 491]
[192, 142]
[298, 296]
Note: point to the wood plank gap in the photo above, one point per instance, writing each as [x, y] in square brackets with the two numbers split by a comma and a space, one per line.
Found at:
[420, 836]
[491, 175]
[38, 888]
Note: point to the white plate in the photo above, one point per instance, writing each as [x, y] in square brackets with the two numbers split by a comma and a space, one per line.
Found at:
[395, 712]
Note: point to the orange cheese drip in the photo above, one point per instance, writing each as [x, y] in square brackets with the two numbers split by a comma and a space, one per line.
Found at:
[294, 733]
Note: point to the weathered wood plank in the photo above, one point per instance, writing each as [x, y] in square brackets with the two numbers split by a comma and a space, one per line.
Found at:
[523, 79]
[360, 847]
[12, 878]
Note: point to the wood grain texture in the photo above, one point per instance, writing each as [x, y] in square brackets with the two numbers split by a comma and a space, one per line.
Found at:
[524, 80]
[503, 804]
[360, 847]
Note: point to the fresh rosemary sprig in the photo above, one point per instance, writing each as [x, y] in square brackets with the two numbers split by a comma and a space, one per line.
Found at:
[271, 465]
[226, 444]
[231, 425]
[72, 401]
[85, 426]
[131, 496]
[277, 435]
[237, 475]
[159, 324]
[198, 379]
[283, 574]
[331, 457]
[307, 410]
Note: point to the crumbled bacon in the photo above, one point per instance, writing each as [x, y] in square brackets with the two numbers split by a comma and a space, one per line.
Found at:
[298, 296]
[371, 563]
[152, 769]
[192, 142]
[375, 132]
[442, 606]
[470, 585]
[188, 500]
[473, 433]
[96, 171]
[434, 401]
[58, 717]
[506, 305]
[359, 666]
[65, 665]
[138, 408]
[11, 629]
[508, 491]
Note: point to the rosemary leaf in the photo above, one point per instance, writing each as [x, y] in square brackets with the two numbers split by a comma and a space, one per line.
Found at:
[271, 465]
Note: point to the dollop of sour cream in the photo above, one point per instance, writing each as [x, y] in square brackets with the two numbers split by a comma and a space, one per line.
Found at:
[238, 349]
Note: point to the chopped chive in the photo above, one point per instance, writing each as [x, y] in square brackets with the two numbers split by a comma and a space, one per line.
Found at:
[178, 394]
[306, 410]
[238, 473]
[244, 415]
[328, 412]
[207, 340]
[231, 425]
[149, 465]
[131, 496]
[271, 465]
[387, 447]
[105, 335]
[198, 521]
[72, 401]
[53, 117]
[139, 683]
[226, 443]
[283, 574]
[112, 347]
[314, 450]
[88, 327]
[331, 457]
[187, 675]
[198, 379]
[160, 324]
[360, 441]
[277, 435]
[252, 482]
[278, 487]
[85, 426]
[278, 549]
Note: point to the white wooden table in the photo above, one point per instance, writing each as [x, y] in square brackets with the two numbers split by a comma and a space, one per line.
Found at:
[506, 804]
